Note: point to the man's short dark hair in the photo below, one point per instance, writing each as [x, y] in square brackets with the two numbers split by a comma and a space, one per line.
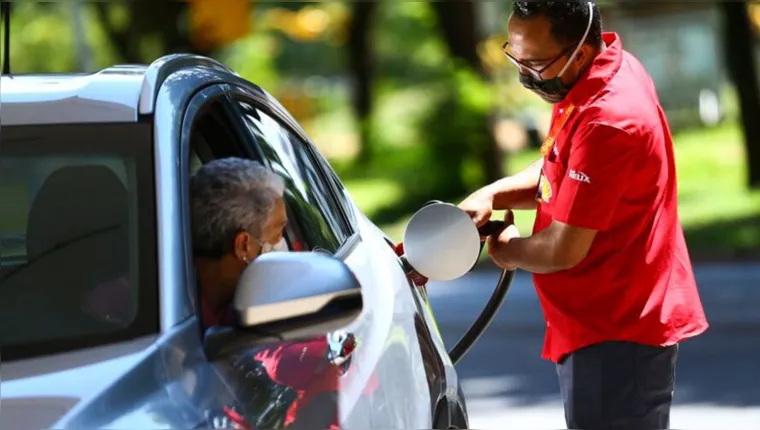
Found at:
[568, 19]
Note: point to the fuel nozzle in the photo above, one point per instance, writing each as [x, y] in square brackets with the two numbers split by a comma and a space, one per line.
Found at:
[491, 227]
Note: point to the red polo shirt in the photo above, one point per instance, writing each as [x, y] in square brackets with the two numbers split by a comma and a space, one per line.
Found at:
[612, 169]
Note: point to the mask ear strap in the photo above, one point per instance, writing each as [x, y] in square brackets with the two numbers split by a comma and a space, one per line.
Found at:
[583, 40]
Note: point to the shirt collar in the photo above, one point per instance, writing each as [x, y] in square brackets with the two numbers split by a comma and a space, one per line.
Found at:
[598, 74]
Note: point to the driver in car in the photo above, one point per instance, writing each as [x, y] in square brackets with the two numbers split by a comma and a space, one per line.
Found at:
[237, 214]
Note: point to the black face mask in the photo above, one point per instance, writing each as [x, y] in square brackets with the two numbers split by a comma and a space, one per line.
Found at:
[551, 90]
[554, 90]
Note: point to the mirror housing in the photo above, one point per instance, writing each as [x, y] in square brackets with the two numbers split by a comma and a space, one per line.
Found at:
[287, 295]
[285, 286]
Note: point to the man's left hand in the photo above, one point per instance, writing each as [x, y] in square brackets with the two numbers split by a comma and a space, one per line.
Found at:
[496, 245]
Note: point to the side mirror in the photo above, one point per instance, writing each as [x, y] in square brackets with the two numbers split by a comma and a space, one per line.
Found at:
[288, 295]
[282, 287]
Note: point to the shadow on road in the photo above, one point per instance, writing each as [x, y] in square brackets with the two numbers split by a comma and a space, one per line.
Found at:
[719, 368]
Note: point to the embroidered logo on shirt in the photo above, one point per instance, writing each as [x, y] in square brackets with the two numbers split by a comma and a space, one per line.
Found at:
[544, 190]
[579, 176]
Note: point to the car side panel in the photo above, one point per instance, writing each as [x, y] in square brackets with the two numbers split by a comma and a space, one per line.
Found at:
[444, 389]
[173, 98]
[387, 386]
[156, 383]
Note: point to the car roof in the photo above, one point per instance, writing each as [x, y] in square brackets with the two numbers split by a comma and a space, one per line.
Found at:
[117, 94]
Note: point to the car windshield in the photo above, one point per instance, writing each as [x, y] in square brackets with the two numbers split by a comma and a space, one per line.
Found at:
[77, 237]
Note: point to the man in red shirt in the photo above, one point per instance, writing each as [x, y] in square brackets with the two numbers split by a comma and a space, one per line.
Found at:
[610, 263]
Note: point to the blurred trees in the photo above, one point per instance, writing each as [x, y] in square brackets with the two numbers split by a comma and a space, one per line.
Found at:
[431, 51]
[361, 66]
[458, 22]
[459, 151]
[742, 66]
[141, 30]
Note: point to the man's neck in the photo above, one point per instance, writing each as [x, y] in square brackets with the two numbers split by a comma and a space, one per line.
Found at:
[598, 50]
[213, 284]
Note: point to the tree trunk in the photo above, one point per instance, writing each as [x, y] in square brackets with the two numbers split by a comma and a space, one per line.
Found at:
[740, 58]
[361, 64]
[458, 22]
[154, 20]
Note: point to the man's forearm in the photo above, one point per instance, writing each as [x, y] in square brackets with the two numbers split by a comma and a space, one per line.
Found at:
[558, 247]
[517, 191]
[535, 254]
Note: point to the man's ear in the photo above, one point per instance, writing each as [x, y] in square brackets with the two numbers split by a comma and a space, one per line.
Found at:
[242, 245]
[583, 55]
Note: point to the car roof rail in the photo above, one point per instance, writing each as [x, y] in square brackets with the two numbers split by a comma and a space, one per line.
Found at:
[159, 70]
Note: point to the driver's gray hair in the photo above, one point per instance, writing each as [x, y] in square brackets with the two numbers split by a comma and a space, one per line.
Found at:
[230, 195]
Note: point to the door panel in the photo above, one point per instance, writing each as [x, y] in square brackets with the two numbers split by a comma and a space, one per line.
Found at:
[277, 383]
[389, 388]
[210, 130]
[384, 384]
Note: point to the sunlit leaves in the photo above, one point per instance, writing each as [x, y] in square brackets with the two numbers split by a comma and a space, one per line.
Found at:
[41, 39]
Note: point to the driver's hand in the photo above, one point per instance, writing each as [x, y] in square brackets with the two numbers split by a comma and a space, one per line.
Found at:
[479, 206]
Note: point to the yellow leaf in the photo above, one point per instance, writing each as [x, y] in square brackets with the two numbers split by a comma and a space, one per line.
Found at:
[215, 23]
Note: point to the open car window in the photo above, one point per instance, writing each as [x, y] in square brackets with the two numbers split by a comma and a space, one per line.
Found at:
[315, 218]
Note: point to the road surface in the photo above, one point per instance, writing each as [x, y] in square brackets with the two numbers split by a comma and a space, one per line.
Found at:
[509, 386]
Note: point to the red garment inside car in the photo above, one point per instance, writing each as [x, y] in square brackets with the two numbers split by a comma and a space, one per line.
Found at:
[300, 365]
[304, 367]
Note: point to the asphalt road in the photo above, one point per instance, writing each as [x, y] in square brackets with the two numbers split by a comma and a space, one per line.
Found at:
[509, 386]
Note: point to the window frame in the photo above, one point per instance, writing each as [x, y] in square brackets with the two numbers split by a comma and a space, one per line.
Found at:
[136, 140]
[217, 93]
[283, 156]
[228, 94]
[268, 106]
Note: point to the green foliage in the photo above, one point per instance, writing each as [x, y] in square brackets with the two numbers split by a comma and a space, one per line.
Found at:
[408, 49]
[253, 59]
[721, 217]
[41, 38]
[456, 133]
[431, 125]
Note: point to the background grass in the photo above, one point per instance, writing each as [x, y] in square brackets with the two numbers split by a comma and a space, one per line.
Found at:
[721, 217]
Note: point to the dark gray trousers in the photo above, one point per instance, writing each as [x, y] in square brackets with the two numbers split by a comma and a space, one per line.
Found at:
[618, 385]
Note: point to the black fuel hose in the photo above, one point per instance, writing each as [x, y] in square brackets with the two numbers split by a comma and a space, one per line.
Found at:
[485, 318]
[492, 306]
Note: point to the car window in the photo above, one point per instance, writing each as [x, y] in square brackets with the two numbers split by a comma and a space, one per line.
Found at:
[77, 240]
[343, 196]
[315, 218]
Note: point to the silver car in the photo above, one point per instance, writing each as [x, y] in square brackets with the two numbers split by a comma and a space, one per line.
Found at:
[99, 323]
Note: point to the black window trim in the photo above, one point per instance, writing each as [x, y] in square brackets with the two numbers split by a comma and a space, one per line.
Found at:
[286, 121]
[197, 104]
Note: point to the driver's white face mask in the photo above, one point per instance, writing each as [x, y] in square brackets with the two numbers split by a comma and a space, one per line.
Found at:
[281, 246]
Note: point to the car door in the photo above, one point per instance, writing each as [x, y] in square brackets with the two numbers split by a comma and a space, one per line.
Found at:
[273, 384]
[447, 401]
[385, 385]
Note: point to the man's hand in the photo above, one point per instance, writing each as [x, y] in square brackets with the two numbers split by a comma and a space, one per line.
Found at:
[479, 206]
[497, 241]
